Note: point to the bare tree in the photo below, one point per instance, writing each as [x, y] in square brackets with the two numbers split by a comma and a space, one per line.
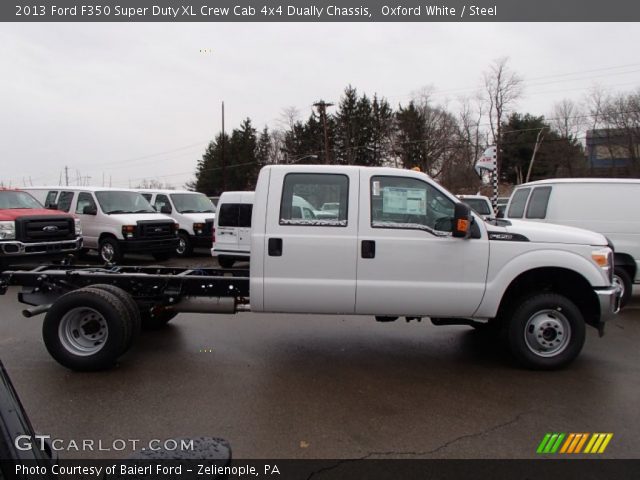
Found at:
[502, 87]
[288, 118]
[568, 119]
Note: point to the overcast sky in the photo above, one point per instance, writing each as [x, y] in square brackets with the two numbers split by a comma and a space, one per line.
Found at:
[132, 101]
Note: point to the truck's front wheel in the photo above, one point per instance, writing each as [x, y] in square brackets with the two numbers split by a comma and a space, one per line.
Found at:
[87, 329]
[546, 331]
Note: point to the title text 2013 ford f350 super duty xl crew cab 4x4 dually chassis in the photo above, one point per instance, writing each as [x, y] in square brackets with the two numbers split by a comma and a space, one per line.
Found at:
[396, 244]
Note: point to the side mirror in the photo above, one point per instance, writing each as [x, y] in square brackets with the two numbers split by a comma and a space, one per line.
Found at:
[461, 221]
[90, 210]
[165, 209]
[52, 206]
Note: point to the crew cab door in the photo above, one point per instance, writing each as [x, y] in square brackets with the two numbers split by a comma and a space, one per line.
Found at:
[408, 262]
[310, 258]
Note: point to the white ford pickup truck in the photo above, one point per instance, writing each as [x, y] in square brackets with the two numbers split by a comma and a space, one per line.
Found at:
[396, 244]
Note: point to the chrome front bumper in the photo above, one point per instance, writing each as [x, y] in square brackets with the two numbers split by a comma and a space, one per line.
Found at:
[609, 302]
[16, 248]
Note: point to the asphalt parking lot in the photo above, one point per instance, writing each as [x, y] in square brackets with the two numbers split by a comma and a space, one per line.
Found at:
[292, 386]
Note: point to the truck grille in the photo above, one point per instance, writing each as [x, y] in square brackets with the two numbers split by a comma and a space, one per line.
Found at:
[151, 229]
[45, 229]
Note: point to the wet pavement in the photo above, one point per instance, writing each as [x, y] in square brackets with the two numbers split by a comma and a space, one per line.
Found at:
[296, 386]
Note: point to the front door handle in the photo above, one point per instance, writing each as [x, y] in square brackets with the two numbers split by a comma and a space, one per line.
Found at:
[275, 247]
[368, 249]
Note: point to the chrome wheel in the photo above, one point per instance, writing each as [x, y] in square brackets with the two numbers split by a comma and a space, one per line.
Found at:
[107, 252]
[182, 246]
[547, 333]
[83, 331]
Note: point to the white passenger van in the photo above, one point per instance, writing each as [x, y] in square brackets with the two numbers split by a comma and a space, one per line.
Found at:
[607, 206]
[193, 211]
[114, 221]
[232, 228]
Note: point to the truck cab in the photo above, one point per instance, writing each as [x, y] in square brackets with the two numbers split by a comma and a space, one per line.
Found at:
[30, 233]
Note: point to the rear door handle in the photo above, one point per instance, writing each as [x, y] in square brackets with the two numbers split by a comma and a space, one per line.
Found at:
[368, 249]
[275, 247]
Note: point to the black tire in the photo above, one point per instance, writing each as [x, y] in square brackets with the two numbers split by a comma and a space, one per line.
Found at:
[109, 250]
[154, 319]
[161, 256]
[185, 248]
[545, 332]
[623, 279]
[70, 335]
[132, 307]
[226, 262]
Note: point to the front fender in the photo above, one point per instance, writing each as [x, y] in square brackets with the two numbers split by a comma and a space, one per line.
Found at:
[501, 276]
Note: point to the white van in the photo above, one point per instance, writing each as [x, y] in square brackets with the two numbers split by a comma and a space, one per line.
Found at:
[114, 221]
[193, 211]
[232, 228]
[607, 206]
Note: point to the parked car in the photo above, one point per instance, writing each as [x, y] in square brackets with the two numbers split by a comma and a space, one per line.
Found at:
[193, 211]
[607, 206]
[232, 228]
[480, 204]
[114, 221]
[30, 233]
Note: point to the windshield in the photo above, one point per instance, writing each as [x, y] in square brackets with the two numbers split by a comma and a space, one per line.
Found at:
[192, 203]
[12, 199]
[123, 202]
[479, 205]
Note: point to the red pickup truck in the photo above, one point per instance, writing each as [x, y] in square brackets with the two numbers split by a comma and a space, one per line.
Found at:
[30, 233]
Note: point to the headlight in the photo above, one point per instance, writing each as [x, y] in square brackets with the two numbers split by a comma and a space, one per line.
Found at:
[128, 231]
[7, 230]
[78, 227]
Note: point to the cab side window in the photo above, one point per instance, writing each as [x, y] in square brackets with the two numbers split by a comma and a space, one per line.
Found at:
[409, 203]
[147, 196]
[64, 201]
[304, 193]
[85, 200]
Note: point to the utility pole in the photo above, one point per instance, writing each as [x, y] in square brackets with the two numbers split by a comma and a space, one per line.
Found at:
[539, 140]
[322, 110]
[66, 175]
[224, 170]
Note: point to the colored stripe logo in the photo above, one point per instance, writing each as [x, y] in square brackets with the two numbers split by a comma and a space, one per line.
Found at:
[574, 443]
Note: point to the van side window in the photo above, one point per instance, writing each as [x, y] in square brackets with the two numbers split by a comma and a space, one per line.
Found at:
[519, 200]
[51, 198]
[402, 202]
[303, 195]
[161, 201]
[64, 201]
[537, 207]
[84, 200]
